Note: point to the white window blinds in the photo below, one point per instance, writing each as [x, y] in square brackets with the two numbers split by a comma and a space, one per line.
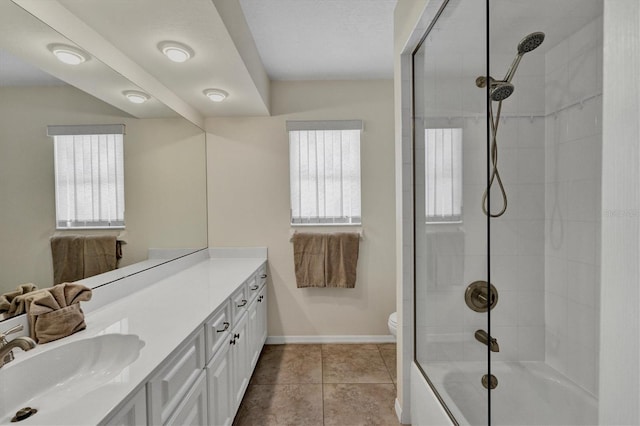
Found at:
[89, 176]
[325, 171]
[443, 175]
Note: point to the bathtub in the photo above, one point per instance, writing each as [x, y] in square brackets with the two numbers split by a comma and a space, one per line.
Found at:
[528, 393]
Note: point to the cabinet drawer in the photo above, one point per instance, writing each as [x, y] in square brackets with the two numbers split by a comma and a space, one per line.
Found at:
[239, 301]
[169, 385]
[261, 276]
[217, 329]
[253, 287]
[193, 410]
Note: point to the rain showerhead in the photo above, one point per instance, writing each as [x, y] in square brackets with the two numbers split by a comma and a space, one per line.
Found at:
[530, 42]
[502, 89]
[499, 91]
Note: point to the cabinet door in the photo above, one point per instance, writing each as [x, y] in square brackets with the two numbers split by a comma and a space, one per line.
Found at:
[219, 390]
[193, 409]
[134, 412]
[253, 335]
[262, 318]
[239, 361]
[168, 386]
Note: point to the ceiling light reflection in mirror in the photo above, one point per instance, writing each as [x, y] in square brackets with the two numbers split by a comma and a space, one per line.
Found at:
[164, 153]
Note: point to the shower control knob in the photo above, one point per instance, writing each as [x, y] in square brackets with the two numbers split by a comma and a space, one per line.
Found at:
[477, 296]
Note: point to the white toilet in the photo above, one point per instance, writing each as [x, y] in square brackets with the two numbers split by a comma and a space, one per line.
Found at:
[393, 323]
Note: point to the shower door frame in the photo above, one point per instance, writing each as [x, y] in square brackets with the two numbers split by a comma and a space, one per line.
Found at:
[487, 117]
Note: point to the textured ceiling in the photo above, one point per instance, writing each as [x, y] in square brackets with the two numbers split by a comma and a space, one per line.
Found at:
[323, 39]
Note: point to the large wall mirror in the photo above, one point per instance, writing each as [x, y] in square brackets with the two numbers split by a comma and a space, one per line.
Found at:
[164, 154]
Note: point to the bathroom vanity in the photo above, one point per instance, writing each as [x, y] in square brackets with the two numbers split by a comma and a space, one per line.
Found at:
[179, 350]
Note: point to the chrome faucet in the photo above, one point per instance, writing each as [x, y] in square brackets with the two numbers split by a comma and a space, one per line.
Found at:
[6, 348]
[483, 337]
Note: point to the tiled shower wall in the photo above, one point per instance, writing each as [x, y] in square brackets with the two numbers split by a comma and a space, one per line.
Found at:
[573, 102]
[517, 246]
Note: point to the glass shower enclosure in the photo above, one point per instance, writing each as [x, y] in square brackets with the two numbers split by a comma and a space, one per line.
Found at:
[507, 146]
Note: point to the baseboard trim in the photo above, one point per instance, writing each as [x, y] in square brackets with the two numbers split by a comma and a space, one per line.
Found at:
[378, 338]
[399, 411]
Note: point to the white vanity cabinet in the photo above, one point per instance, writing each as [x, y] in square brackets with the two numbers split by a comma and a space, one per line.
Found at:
[203, 380]
[219, 387]
[176, 379]
[192, 410]
[133, 413]
[240, 373]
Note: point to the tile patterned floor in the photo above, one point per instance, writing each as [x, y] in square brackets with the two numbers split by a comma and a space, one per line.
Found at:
[340, 385]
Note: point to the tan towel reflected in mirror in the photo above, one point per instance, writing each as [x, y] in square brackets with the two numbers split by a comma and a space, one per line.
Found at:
[81, 256]
[55, 312]
[11, 303]
[326, 260]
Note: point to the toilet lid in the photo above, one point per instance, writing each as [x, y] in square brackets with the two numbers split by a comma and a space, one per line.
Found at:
[393, 318]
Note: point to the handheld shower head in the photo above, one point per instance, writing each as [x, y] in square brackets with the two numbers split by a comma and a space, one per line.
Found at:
[502, 89]
[526, 45]
[530, 42]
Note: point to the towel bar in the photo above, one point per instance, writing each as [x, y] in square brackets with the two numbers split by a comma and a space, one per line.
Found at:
[293, 232]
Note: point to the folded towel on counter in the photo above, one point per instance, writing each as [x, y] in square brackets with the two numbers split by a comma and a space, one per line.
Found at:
[11, 304]
[55, 312]
[342, 259]
[325, 260]
[82, 256]
[308, 258]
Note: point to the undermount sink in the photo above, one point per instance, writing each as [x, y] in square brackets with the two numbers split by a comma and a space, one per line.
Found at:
[58, 377]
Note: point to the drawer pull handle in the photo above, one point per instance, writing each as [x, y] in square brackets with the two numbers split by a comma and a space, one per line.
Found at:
[244, 302]
[236, 336]
[260, 298]
[254, 287]
[263, 276]
[226, 327]
[232, 342]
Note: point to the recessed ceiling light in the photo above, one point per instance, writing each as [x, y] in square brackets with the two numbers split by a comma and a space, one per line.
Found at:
[177, 52]
[135, 96]
[68, 54]
[216, 95]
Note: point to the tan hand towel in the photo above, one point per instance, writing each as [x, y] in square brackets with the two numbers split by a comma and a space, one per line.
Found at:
[342, 259]
[11, 303]
[308, 258]
[55, 312]
[68, 258]
[100, 254]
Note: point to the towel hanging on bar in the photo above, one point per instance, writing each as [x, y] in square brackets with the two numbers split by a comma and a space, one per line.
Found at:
[326, 260]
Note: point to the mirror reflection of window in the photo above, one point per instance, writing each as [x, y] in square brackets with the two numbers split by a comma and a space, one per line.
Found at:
[443, 175]
[89, 176]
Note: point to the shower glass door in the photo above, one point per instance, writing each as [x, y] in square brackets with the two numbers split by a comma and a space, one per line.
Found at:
[451, 166]
[546, 59]
[507, 209]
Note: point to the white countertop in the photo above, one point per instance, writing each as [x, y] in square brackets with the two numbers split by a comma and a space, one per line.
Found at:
[162, 315]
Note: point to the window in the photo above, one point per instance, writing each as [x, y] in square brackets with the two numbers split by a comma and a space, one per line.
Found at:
[89, 176]
[325, 172]
[443, 175]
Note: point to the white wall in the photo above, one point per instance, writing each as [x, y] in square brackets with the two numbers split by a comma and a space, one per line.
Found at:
[620, 295]
[572, 219]
[164, 179]
[248, 185]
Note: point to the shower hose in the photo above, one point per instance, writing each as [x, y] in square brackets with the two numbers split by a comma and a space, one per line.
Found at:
[495, 175]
